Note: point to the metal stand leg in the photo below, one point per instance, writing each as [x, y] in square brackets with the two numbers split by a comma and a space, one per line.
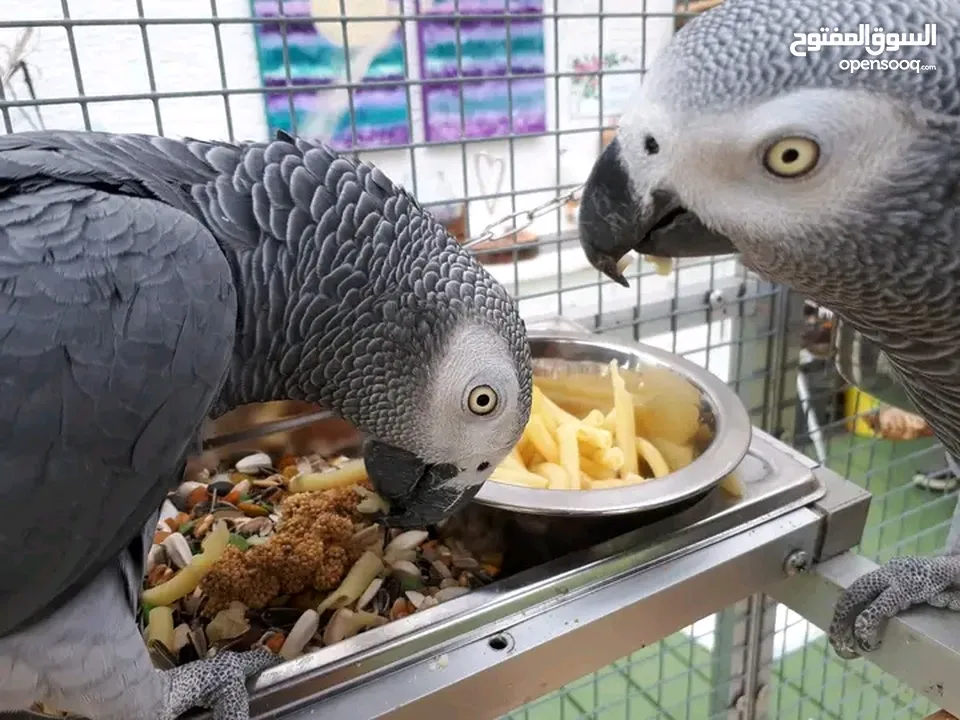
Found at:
[743, 648]
[806, 403]
[943, 480]
[742, 656]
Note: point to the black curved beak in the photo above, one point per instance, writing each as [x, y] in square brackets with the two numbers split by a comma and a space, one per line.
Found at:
[617, 217]
[420, 494]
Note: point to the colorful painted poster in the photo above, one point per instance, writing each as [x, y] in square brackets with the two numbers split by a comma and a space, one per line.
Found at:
[472, 57]
[315, 55]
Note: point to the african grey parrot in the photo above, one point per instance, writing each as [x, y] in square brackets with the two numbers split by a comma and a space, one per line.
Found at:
[148, 283]
[826, 173]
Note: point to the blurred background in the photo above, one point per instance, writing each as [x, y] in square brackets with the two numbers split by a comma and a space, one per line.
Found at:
[492, 109]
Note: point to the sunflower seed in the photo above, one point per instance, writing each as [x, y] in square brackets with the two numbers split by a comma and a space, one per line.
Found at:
[252, 464]
[300, 635]
[450, 593]
[178, 550]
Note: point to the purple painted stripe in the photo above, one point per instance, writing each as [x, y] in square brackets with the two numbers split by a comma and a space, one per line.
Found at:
[367, 98]
[487, 71]
[445, 33]
[300, 29]
[317, 80]
[291, 8]
[296, 85]
[424, 30]
[363, 97]
[493, 119]
[485, 7]
[487, 86]
[373, 137]
[294, 81]
[445, 28]
[301, 8]
[303, 29]
[484, 128]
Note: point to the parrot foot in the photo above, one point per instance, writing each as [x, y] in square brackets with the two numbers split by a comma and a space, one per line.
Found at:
[217, 683]
[880, 595]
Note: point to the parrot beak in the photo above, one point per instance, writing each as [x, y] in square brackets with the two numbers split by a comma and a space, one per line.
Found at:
[613, 221]
[420, 494]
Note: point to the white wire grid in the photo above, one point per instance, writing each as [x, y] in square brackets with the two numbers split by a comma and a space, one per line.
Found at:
[186, 67]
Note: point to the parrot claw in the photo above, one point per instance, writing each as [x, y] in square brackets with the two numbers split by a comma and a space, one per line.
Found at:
[880, 595]
[217, 683]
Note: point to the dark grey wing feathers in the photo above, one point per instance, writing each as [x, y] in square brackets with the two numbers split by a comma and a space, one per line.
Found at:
[117, 322]
[208, 180]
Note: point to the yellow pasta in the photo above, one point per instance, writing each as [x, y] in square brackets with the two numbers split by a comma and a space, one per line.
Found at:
[593, 432]
[595, 470]
[570, 453]
[663, 265]
[189, 577]
[561, 415]
[594, 437]
[543, 440]
[555, 476]
[513, 460]
[594, 418]
[523, 477]
[539, 409]
[350, 473]
[652, 457]
[612, 458]
[610, 421]
[677, 456]
[625, 431]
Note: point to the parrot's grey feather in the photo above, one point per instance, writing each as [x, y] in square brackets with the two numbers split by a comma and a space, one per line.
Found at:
[117, 317]
[90, 657]
[870, 228]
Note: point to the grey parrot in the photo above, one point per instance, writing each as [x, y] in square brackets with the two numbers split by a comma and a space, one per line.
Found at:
[147, 284]
[834, 170]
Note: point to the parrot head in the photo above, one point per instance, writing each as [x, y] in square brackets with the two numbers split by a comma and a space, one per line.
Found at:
[364, 304]
[391, 324]
[449, 401]
[821, 162]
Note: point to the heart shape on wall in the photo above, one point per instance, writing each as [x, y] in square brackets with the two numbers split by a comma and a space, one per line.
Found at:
[490, 176]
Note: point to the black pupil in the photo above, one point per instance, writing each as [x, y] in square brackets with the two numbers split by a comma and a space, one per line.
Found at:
[483, 400]
[650, 145]
[790, 156]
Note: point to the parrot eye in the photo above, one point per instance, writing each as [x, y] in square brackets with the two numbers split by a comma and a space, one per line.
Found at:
[791, 157]
[482, 400]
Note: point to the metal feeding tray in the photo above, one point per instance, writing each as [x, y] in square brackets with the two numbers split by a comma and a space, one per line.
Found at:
[589, 590]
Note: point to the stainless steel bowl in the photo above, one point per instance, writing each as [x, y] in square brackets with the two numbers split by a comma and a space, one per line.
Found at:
[721, 409]
[862, 364]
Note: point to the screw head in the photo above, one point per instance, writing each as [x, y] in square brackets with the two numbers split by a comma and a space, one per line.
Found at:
[715, 299]
[796, 562]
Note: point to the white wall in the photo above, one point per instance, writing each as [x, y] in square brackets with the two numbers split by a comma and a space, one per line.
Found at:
[184, 58]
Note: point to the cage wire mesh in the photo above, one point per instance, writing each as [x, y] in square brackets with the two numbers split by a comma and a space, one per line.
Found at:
[240, 69]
